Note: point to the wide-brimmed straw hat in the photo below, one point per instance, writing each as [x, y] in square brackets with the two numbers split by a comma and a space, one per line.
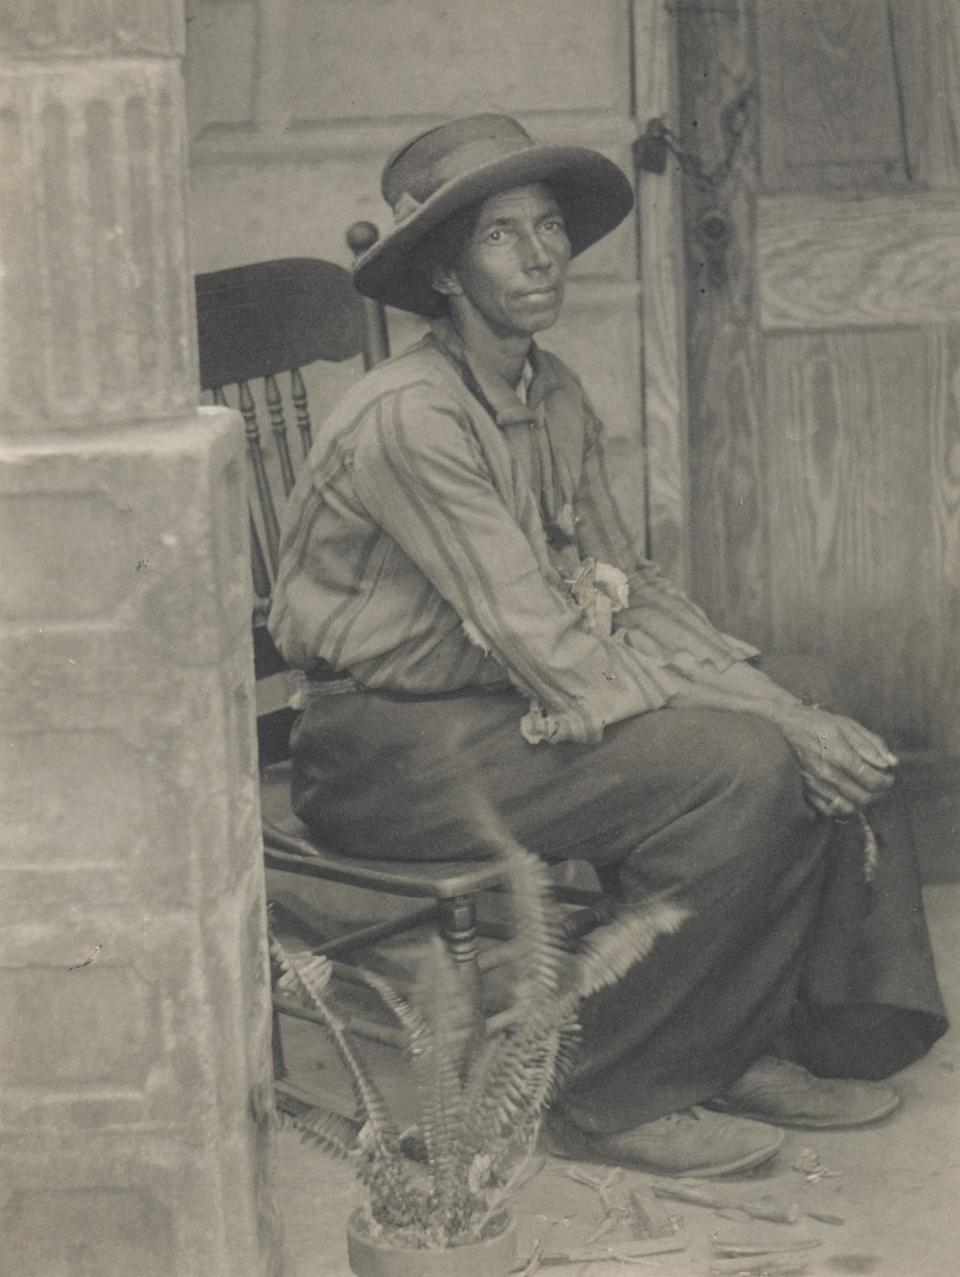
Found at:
[459, 163]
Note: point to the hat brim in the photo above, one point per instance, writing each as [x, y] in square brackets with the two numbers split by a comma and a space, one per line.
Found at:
[593, 192]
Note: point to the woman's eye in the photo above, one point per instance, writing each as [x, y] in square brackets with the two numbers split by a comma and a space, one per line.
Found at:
[554, 225]
[494, 236]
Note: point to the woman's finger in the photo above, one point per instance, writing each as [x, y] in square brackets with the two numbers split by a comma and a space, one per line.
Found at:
[832, 758]
[871, 748]
[829, 804]
[834, 783]
[861, 774]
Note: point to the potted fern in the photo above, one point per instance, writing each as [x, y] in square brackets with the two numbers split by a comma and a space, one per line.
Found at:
[446, 1183]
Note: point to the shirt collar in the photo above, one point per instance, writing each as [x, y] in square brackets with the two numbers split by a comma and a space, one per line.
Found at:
[509, 408]
[525, 382]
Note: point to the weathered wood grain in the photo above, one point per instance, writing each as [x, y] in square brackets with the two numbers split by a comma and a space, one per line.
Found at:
[725, 375]
[944, 424]
[927, 42]
[876, 261]
[831, 111]
[855, 580]
[662, 302]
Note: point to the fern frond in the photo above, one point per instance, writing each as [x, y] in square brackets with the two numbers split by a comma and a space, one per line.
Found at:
[536, 925]
[567, 1049]
[329, 1131]
[541, 1073]
[411, 1021]
[447, 1010]
[310, 980]
[421, 1050]
[538, 941]
[518, 1070]
[478, 1073]
[513, 1080]
[608, 953]
[434, 1029]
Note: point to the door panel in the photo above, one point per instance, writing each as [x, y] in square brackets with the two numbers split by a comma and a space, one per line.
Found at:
[892, 260]
[823, 352]
[848, 484]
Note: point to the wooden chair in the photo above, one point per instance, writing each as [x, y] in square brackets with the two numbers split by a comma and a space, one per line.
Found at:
[264, 323]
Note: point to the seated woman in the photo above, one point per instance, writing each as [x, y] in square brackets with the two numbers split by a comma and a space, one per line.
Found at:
[454, 547]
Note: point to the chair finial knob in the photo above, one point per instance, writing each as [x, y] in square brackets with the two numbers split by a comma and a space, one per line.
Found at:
[361, 236]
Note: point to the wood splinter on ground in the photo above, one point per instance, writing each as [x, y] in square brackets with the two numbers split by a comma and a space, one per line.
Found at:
[730, 1248]
[706, 1195]
[624, 1251]
[761, 1266]
[646, 1220]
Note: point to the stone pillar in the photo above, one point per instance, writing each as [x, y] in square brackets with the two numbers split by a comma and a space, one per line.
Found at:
[135, 1095]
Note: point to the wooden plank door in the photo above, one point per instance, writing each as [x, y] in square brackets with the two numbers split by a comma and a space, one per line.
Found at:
[822, 233]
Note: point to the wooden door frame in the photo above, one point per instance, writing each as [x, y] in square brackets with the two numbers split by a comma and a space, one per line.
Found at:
[662, 299]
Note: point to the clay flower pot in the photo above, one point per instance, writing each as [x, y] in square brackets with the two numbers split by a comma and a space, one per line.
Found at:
[491, 1257]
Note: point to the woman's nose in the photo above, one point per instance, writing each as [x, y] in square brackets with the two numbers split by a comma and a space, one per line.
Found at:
[535, 253]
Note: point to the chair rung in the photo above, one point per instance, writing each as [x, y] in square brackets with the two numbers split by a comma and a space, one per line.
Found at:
[359, 1024]
[297, 1101]
[373, 1031]
[355, 975]
[376, 931]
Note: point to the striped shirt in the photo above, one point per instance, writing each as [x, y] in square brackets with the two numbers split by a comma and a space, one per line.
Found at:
[431, 538]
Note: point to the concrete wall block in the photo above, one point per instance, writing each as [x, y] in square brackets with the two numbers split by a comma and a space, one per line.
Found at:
[94, 788]
[107, 1203]
[154, 1021]
[237, 1029]
[158, 1028]
[143, 534]
[172, 764]
[105, 1015]
[96, 302]
[238, 991]
[116, 1230]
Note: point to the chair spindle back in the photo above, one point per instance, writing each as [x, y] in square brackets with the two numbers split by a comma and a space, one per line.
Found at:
[259, 324]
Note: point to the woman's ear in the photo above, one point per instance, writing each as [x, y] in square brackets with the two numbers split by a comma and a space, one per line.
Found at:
[445, 282]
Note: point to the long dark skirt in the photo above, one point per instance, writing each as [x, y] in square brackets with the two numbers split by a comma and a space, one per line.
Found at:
[786, 949]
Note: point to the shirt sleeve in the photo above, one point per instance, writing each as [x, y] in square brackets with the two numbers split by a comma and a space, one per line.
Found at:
[660, 619]
[422, 478]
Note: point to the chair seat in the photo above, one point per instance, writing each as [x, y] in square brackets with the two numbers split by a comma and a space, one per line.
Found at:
[289, 846]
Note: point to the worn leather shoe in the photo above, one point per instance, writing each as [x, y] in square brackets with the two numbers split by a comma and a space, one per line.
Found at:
[691, 1142]
[787, 1094]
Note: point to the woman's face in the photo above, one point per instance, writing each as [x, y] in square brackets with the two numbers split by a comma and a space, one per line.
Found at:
[512, 272]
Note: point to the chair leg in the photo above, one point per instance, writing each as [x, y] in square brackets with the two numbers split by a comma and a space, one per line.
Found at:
[458, 928]
[276, 1041]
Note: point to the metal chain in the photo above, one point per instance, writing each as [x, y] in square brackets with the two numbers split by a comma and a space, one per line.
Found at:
[734, 120]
